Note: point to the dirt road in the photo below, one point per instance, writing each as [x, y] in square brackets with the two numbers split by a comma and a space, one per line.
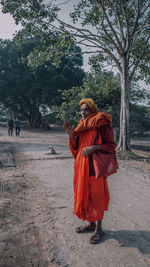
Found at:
[36, 199]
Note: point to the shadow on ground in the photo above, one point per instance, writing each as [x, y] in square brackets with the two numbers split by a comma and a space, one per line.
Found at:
[134, 239]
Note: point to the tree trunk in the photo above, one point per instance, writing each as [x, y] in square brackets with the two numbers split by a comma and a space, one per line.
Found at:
[124, 137]
[35, 119]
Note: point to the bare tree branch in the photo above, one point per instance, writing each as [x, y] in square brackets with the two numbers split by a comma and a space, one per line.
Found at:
[108, 35]
[101, 2]
[84, 52]
[83, 33]
[127, 27]
[112, 56]
[106, 51]
[146, 7]
[117, 15]
[141, 29]
[136, 19]
[120, 24]
[91, 38]
[64, 3]
[88, 45]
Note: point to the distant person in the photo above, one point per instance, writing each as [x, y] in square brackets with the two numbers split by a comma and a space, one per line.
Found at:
[17, 126]
[10, 127]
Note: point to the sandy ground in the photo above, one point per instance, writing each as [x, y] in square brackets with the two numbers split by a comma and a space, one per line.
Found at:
[37, 227]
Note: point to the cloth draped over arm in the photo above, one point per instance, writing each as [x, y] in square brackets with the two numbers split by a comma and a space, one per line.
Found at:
[95, 121]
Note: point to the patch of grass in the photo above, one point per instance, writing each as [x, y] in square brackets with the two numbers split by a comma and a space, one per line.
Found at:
[134, 155]
[141, 153]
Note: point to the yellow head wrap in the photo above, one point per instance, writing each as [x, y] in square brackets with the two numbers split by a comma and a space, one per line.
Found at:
[90, 104]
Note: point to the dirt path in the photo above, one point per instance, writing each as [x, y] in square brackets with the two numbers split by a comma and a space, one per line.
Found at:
[36, 199]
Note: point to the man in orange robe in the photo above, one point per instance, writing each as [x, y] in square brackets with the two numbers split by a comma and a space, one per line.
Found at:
[91, 194]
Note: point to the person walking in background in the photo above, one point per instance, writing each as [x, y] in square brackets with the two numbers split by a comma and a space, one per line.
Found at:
[17, 126]
[10, 127]
[91, 194]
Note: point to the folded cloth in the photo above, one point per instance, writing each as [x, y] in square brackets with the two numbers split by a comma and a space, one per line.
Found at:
[105, 164]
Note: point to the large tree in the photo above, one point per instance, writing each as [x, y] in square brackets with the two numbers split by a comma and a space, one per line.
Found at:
[25, 89]
[117, 30]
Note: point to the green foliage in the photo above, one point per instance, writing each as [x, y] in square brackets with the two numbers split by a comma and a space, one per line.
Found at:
[23, 88]
[104, 89]
[5, 113]
[139, 94]
[69, 109]
[55, 46]
[140, 119]
[30, 12]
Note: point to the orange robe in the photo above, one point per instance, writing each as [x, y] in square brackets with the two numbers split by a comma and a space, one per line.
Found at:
[91, 195]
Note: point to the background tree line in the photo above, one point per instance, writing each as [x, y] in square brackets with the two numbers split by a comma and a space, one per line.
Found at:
[27, 90]
[117, 32]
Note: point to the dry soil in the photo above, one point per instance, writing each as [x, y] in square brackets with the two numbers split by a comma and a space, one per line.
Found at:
[37, 226]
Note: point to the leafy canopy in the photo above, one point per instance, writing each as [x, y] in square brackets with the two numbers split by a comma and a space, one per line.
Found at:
[102, 87]
[25, 88]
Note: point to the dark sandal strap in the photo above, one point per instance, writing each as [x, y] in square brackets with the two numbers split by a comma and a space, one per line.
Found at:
[84, 229]
[96, 238]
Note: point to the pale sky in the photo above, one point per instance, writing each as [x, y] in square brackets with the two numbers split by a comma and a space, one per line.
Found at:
[8, 26]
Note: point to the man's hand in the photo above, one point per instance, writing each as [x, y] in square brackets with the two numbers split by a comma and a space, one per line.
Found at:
[69, 129]
[89, 150]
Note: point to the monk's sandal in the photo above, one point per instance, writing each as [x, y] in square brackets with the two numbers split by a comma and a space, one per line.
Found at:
[96, 238]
